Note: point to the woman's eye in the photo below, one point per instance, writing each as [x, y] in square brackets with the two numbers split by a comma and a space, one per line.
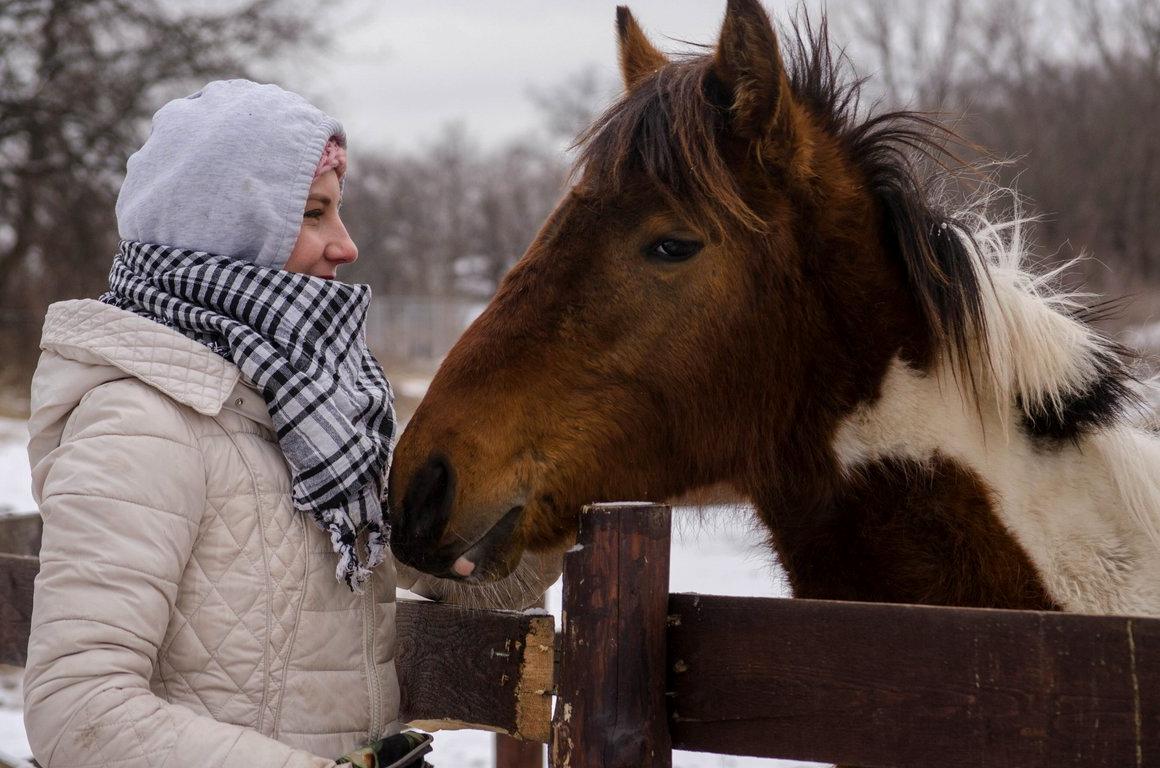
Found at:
[673, 249]
[314, 214]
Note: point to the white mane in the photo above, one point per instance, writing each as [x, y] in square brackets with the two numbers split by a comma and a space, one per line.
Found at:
[1086, 510]
[1036, 351]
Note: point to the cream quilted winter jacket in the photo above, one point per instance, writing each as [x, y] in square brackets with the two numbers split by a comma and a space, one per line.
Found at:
[185, 614]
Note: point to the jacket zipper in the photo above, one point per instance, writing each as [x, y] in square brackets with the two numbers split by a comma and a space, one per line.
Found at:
[372, 669]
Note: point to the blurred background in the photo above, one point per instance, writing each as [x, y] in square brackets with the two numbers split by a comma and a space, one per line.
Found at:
[460, 114]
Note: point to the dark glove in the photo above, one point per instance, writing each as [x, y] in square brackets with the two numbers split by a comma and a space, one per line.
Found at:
[403, 750]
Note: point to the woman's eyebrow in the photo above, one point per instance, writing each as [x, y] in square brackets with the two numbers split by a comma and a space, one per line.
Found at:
[320, 198]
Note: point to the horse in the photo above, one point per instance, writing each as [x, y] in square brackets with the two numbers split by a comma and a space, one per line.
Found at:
[750, 285]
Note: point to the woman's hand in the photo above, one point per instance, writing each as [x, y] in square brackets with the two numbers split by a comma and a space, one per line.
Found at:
[403, 750]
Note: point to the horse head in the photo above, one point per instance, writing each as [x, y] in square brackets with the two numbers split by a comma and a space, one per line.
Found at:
[735, 266]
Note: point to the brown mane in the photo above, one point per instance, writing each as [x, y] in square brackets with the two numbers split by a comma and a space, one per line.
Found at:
[669, 127]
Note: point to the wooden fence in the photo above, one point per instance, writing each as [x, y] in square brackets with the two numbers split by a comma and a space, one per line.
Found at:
[639, 672]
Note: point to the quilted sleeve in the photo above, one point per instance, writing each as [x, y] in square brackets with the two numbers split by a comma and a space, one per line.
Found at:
[522, 588]
[122, 500]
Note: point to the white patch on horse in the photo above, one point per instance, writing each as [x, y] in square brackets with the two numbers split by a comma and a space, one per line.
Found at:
[1087, 513]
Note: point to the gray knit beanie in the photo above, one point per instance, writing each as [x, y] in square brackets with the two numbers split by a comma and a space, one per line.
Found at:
[226, 170]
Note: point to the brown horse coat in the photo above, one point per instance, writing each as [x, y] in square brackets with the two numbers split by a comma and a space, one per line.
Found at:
[749, 285]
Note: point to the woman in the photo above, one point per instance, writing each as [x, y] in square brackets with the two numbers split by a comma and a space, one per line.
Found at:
[208, 446]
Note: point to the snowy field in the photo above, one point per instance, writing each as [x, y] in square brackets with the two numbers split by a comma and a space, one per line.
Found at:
[715, 551]
[15, 490]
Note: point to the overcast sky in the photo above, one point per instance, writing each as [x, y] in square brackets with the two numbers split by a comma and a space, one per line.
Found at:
[402, 70]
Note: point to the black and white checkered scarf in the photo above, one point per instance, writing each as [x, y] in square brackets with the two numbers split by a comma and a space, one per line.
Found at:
[301, 341]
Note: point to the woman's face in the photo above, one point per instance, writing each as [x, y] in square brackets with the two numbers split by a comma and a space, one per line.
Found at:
[323, 243]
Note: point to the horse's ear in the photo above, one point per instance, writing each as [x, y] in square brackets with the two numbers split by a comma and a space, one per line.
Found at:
[749, 73]
[638, 57]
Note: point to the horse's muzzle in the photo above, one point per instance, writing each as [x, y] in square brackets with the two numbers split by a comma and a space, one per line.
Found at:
[419, 523]
[419, 527]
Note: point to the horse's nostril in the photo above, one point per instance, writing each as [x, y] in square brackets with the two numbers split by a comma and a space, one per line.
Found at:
[427, 502]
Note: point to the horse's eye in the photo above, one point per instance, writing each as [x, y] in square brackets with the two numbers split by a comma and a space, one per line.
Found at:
[671, 249]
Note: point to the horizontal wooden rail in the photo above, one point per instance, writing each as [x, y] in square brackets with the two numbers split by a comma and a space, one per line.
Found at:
[480, 669]
[895, 686]
[17, 572]
[20, 534]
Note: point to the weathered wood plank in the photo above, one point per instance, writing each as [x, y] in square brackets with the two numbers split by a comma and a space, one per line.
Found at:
[17, 574]
[610, 706]
[20, 534]
[479, 669]
[899, 686]
[486, 669]
[511, 752]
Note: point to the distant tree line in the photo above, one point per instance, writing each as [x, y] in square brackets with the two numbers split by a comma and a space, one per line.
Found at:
[1067, 92]
[449, 221]
[1060, 98]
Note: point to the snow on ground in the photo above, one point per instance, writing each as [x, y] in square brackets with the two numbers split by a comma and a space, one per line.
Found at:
[12, 740]
[413, 386]
[715, 551]
[15, 484]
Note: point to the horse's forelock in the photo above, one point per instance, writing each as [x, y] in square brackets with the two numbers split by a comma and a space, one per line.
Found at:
[668, 129]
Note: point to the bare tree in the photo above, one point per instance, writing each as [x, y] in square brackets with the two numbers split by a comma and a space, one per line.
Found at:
[918, 50]
[521, 185]
[78, 80]
[1069, 93]
[569, 106]
[450, 219]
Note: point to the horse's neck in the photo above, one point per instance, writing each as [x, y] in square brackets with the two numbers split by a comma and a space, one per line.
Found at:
[942, 499]
[1011, 478]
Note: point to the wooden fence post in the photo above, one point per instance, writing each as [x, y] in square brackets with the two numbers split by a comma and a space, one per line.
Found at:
[611, 709]
[513, 753]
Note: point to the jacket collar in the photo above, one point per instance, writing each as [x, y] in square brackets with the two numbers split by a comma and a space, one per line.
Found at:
[187, 371]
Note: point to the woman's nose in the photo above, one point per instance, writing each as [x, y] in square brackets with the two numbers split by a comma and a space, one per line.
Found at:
[342, 249]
